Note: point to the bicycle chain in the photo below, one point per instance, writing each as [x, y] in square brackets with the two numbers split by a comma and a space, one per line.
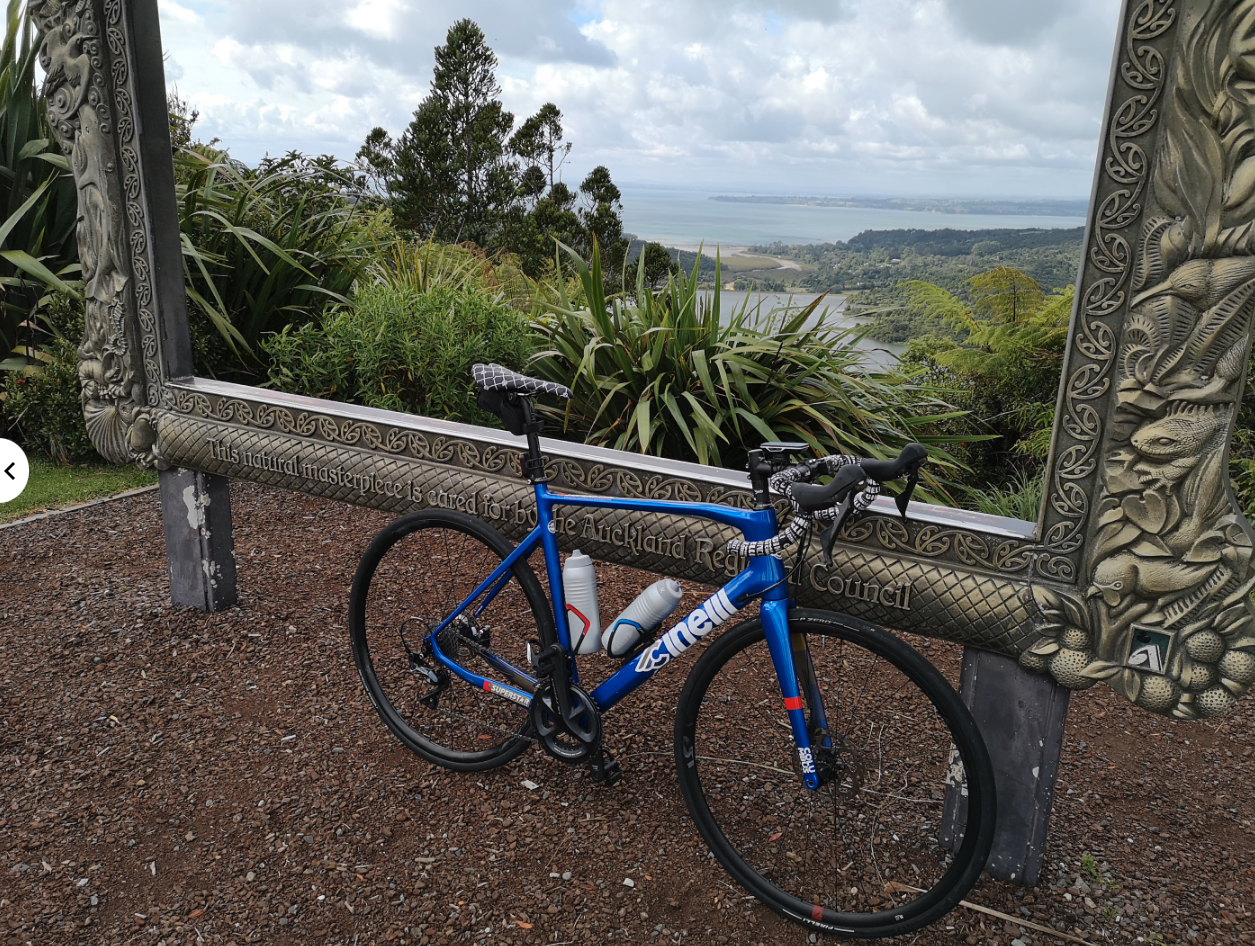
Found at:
[505, 732]
[472, 644]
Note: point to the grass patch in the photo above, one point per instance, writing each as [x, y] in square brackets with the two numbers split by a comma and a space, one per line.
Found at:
[52, 486]
[744, 263]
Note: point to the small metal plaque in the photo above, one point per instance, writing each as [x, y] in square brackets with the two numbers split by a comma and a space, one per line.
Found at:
[1150, 649]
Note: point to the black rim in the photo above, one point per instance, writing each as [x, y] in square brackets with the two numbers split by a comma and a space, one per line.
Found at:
[412, 575]
[880, 807]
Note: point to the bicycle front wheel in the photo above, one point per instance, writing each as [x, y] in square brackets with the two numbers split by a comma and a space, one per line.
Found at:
[414, 574]
[861, 855]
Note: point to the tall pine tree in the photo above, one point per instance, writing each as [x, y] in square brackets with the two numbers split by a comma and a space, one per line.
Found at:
[602, 217]
[456, 174]
[538, 142]
[452, 179]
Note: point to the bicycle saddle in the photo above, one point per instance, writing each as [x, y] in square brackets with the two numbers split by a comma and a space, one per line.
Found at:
[494, 377]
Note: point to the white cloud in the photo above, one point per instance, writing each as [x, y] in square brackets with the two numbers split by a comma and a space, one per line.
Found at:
[172, 10]
[375, 18]
[930, 96]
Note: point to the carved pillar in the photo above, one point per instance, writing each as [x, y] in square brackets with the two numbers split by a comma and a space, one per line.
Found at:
[106, 98]
[1159, 555]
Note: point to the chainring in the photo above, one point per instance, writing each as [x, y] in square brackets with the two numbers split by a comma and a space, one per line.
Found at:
[552, 731]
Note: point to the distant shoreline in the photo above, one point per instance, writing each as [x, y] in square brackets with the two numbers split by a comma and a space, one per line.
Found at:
[956, 206]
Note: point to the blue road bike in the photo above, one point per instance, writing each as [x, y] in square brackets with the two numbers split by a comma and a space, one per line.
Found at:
[813, 750]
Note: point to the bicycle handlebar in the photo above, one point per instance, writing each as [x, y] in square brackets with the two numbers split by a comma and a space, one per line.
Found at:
[809, 497]
[855, 484]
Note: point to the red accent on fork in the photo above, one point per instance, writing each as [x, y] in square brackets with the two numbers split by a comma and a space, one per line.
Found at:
[792, 702]
[487, 686]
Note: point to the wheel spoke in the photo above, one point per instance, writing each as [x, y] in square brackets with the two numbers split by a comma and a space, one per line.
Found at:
[875, 819]
[422, 567]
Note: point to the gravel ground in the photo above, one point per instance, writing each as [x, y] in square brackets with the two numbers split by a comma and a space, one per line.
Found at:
[172, 778]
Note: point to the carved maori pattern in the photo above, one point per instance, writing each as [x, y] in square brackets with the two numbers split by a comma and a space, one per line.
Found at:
[1165, 615]
[119, 368]
[1006, 557]
[1104, 289]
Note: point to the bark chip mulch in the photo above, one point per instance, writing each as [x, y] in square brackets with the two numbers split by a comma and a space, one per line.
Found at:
[168, 777]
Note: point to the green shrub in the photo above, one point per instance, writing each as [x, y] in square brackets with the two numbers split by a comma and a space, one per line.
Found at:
[40, 404]
[1020, 499]
[401, 349]
[1004, 372]
[43, 408]
[674, 374]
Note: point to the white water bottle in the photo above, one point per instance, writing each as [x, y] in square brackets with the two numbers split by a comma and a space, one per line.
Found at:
[645, 613]
[583, 617]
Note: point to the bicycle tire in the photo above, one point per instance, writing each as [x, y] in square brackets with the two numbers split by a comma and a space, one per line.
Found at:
[741, 779]
[413, 574]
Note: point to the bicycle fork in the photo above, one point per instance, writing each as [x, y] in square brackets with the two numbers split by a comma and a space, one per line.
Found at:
[791, 657]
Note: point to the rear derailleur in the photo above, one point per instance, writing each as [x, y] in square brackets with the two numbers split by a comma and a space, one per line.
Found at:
[437, 677]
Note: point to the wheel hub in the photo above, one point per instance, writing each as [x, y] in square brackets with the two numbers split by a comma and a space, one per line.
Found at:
[837, 762]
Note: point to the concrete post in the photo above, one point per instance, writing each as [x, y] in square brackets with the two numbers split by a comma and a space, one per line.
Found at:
[200, 549]
[1022, 717]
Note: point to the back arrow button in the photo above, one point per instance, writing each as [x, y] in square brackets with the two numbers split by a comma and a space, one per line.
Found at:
[8, 471]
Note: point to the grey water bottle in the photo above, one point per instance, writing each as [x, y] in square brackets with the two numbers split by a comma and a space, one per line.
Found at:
[649, 610]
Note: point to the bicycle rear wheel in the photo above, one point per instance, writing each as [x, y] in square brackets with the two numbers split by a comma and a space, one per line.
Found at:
[860, 856]
[414, 574]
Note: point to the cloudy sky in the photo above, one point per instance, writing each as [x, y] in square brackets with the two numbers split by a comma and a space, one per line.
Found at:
[836, 97]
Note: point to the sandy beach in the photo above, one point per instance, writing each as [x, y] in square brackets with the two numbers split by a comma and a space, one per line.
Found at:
[727, 252]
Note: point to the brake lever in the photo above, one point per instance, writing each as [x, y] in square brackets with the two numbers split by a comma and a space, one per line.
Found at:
[903, 499]
[829, 536]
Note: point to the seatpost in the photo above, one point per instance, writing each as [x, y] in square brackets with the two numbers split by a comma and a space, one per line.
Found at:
[533, 460]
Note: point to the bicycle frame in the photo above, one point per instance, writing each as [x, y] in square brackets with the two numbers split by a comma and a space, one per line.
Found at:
[763, 578]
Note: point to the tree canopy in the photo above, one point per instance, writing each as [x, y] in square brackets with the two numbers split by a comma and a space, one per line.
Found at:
[452, 176]
[460, 172]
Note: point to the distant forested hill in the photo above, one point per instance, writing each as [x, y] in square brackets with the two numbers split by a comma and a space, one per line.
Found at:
[880, 259]
[868, 268]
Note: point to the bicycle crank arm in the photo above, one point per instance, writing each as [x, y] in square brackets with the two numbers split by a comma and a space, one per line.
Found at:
[551, 664]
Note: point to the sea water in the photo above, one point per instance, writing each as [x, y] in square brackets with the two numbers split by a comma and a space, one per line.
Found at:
[831, 311]
[677, 216]
[686, 217]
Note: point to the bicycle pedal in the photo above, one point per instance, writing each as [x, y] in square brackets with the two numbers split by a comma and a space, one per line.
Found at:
[605, 769]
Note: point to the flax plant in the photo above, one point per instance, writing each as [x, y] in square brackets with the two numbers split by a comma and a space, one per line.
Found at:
[270, 247]
[38, 249]
[677, 374]
[424, 267]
